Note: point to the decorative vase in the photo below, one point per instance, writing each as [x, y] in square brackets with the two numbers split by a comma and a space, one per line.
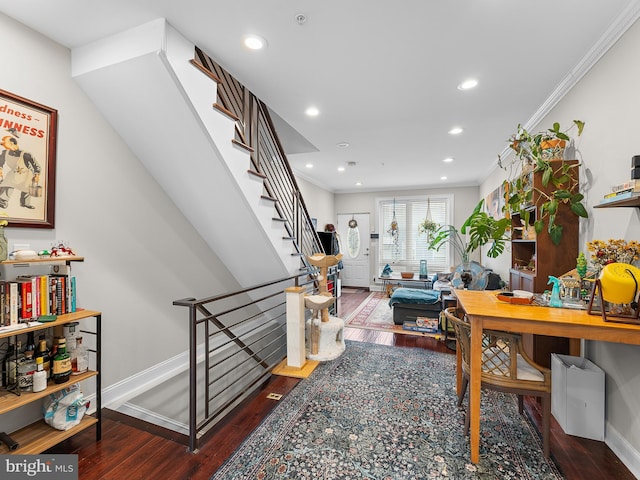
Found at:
[3, 245]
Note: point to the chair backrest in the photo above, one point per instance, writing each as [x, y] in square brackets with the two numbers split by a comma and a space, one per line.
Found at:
[504, 362]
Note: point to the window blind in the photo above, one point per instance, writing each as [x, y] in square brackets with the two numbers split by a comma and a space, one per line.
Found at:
[408, 246]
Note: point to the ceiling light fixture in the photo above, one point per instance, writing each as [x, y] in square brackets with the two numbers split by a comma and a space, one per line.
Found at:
[443, 178]
[341, 169]
[301, 19]
[254, 42]
[468, 84]
[358, 184]
[309, 165]
[312, 111]
[455, 131]
[342, 145]
[448, 160]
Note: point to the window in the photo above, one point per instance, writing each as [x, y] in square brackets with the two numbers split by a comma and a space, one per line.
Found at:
[406, 247]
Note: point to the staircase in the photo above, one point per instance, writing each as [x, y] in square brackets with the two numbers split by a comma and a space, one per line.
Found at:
[146, 83]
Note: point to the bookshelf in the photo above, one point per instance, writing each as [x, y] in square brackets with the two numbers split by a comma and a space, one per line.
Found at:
[632, 201]
[39, 436]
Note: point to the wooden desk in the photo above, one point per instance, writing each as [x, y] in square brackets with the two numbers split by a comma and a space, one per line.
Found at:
[485, 311]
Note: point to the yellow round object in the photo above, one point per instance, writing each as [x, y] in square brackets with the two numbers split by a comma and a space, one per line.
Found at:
[620, 282]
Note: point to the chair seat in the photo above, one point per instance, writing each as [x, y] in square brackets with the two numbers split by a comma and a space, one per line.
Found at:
[505, 366]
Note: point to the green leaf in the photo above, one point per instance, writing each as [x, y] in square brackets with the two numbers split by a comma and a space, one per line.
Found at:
[578, 197]
[546, 176]
[555, 232]
[538, 225]
[580, 125]
[552, 206]
[578, 209]
[562, 194]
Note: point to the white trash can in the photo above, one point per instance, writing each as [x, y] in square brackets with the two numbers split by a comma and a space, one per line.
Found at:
[577, 396]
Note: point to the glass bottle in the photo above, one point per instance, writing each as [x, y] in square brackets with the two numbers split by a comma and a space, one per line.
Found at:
[43, 352]
[11, 351]
[39, 376]
[30, 347]
[26, 369]
[79, 358]
[61, 370]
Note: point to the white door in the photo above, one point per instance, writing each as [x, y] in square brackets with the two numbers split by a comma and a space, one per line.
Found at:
[353, 233]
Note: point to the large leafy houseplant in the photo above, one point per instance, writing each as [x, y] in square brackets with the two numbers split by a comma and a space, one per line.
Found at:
[481, 228]
[543, 152]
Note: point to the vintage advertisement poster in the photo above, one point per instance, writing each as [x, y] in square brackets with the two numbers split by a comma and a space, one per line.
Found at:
[27, 162]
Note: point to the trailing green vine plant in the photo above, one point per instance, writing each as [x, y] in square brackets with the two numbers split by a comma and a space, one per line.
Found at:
[543, 152]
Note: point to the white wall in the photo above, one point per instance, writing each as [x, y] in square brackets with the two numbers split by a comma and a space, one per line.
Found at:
[608, 100]
[320, 203]
[140, 253]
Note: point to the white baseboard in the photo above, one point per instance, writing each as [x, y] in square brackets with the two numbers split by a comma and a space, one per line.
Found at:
[628, 455]
[153, 418]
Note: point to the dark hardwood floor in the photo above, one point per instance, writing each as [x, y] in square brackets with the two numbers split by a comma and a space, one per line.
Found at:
[131, 449]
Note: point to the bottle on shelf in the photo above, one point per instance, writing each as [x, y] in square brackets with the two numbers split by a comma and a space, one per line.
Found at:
[43, 352]
[30, 347]
[11, 351]
[26, 369]
[79, 358]
[39, 376]
[12, 364]
[61, 367]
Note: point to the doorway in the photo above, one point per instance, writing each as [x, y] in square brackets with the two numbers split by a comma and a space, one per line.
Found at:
[354, 237]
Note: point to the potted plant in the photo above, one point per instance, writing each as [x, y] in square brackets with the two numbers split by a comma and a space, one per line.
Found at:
[482, 230]
[543, 152]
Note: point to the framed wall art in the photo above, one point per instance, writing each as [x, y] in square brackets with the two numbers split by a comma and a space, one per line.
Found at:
[27, 161]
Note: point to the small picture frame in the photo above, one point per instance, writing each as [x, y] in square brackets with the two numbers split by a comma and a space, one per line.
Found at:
[28, 134]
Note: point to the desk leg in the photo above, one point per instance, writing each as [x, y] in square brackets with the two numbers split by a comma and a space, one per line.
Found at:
[474, 387]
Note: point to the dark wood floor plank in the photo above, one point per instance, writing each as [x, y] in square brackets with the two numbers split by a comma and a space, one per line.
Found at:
[132, 449]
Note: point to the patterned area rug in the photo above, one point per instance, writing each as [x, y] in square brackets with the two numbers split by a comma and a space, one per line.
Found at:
[374, 313]
[387, 413]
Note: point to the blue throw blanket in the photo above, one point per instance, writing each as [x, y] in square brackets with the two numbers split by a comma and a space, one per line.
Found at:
[413, 295]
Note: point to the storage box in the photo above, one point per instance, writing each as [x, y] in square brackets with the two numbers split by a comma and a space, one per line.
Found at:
[409, 312]
[577, 396]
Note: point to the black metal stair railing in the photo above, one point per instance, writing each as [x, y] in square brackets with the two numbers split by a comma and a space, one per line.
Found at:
[235, 340]
[254, 128]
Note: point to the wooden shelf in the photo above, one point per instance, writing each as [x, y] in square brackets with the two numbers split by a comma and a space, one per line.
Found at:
[61, 320]
[64, 259]
[39, 436]
[633, 201]
[10, 401]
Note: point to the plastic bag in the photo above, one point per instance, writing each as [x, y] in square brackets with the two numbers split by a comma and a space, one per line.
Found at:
[64, 409]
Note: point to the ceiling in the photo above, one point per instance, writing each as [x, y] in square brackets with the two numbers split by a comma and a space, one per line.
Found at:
[383, 74]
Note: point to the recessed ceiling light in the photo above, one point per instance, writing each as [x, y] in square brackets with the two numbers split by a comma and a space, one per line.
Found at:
[455, 131]
[468, 84]
[342, 145]
[448, 160]
[254, 42]
[358, 184]
[309, 165]
[312, 111]
[341, 169]
[443, 178]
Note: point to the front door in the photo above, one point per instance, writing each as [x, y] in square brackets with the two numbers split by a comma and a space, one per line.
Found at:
[353, 234]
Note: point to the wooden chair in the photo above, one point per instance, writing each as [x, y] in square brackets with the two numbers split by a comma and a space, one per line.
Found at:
[505, 368]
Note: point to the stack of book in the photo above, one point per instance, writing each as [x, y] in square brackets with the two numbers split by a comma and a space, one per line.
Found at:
[29, 297]
[623, 190]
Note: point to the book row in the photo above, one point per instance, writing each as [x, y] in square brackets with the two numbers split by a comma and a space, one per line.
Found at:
[30, 297]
